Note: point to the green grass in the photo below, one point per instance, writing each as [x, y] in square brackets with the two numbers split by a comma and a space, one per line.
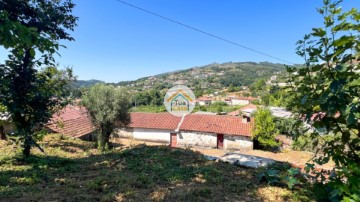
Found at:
[75, 171]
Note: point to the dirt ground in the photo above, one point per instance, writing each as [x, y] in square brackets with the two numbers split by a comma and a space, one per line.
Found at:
[74, 170]
[298, 158]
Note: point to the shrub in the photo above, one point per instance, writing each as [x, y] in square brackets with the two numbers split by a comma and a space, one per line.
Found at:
[265, 129]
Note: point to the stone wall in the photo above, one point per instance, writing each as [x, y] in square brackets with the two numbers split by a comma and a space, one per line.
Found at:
[238, 143]
[186, 138]
[197, 139]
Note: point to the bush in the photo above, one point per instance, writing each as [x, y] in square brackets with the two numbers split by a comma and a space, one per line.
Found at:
[265, 129]
[328, 86]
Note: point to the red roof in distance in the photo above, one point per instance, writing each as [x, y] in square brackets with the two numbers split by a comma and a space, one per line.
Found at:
[204, 99]
[237, 112]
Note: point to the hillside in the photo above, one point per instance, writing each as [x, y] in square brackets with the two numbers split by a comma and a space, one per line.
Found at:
[212, 76]
[87, 83]
[75, 171]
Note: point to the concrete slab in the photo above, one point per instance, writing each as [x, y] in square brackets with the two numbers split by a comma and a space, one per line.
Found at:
[211, 158]
[246, 160]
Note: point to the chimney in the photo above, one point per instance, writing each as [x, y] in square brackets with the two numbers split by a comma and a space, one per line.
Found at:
[245, 118]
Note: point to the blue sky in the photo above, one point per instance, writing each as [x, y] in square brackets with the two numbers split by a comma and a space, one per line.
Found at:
[115, 42]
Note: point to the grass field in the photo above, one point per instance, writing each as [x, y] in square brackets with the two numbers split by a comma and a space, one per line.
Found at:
[75, 171]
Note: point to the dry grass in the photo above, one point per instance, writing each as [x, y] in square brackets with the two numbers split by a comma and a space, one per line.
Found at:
[75, 171]
[299, 158]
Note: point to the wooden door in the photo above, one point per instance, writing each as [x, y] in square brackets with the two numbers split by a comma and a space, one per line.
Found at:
[173, 139]
[220, 141]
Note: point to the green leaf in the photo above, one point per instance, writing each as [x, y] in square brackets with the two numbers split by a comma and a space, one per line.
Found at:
[304, 99]
[293, 171]
[354, 83]
[344, 40]
[318, 32]
[335, 86]
[341, 68]
[32, 52]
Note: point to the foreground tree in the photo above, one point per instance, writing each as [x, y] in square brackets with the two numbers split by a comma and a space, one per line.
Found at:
[265, 129]
[109, 109]
[3, 120]
[31, 87]
[327, 91]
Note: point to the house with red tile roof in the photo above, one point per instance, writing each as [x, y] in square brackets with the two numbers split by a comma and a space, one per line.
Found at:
[233, 101]
[202, 101]
[199, 130]
[247, 110]
[153, 127]
[73, 121]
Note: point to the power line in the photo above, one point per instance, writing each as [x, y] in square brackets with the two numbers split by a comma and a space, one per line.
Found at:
[203, 32]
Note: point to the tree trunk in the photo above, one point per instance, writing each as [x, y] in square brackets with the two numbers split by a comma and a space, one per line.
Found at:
[27, 146]
[26, 151]
[2, 133]
[103, 139]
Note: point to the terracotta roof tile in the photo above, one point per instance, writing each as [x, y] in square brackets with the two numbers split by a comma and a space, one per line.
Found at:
[194, 122]
[73, 121]
[154, 120]
[234, 113]
[204, 99]
[237, 112]
[245, 98]
[249, 106]
[229, 125]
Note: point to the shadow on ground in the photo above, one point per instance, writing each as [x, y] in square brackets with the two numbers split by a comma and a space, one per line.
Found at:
[141, 173]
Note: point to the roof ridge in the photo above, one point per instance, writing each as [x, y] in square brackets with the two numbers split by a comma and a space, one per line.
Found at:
[180, 122]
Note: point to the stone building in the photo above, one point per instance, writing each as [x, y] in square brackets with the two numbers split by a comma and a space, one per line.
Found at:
[193, 130]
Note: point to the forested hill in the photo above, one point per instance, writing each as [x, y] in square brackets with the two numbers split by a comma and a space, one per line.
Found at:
[214, 76]
[87, 83]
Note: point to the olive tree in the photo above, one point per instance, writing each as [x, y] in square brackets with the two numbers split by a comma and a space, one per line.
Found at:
[327, 91]
[108, 108]
[31, 87]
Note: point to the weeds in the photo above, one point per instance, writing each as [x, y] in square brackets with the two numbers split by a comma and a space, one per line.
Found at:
[139, 173]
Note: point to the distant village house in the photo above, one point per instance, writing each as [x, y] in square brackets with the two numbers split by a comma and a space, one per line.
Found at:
[203, 101]
[234, 101]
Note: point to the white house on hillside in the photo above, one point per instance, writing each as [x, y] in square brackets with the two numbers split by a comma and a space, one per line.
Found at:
[233, 101]
[202, 101]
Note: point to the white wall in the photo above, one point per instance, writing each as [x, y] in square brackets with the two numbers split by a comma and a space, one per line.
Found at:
[188, 138]
[154, 135]
[203, 103]
[197, 139]
[239, 102]
[238, 143]
[124, 133]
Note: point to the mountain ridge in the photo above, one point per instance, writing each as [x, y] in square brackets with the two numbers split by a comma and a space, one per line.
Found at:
[214, 75]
